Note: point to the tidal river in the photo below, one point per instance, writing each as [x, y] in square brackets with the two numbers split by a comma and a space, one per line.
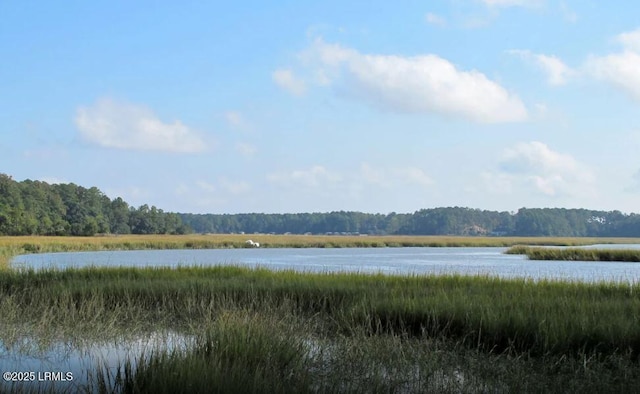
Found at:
[392, 261]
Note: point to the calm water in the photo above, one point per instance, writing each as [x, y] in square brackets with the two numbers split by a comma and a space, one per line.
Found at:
[26, 354]
[77, 358]
[396, 261]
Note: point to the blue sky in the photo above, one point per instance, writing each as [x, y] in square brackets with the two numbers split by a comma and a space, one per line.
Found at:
[297, 106]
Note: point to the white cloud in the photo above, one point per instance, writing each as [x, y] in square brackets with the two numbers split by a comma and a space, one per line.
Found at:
[237, 121]
[365, 186]
[569, 15]
[234, 187]
[535, 166]
[557, 72]
[134, 195]
[286, 80]
[435, 19]
[542, 110]
[532, 156]
[498, 183]
[121, 125]
[630, 40]
[415, 175]
[246, 150]
[315, 177]
[206, 186]
[513, 3]
[234, 118]
[181, 190]
[373, 176]
[299, 189]
[393, 177]
[212, 196]
[417, 84]
[621, 70]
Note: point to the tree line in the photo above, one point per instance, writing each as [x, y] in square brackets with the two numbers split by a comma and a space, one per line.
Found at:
[531, 222]
[38, 208]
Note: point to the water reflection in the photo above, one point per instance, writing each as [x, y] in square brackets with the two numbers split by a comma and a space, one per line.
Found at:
[69, 365]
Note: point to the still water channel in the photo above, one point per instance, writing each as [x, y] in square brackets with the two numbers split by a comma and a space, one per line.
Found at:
[80, 359]
[393, 261]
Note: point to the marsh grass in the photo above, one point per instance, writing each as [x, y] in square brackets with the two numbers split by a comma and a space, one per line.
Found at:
[263, 331]
[264, 363]
[12, 246]
[491, 313]
[576, 254]
[238, 352]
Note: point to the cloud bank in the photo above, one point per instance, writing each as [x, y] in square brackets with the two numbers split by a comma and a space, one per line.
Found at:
[435, 19]
[119, 125]
[621, 70]
[287, 81]
[557, 72]
[539, 168]
[414, 84]
[319, 177]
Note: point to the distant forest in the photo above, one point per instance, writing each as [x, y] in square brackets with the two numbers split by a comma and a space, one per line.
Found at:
[529, 222]
[38, 208]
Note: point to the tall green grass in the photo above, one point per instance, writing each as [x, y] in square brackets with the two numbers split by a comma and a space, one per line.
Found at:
[362, 364]
[236, 353]
[496, 314]
[576, 254]
[265, 331]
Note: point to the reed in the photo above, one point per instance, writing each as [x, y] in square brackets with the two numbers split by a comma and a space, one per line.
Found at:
[285, 331]
[539, 317]
[237, 353]
[577, 254]
[361, 365]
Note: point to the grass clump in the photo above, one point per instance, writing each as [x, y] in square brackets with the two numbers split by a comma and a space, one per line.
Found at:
[576, 254]
[541, 317]
[237, 353]
[263, 331]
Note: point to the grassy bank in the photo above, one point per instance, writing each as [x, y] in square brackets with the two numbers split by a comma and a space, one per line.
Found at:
[542, 317]
[287, 332]
[576, 254]
[12, 246]
[339, 332]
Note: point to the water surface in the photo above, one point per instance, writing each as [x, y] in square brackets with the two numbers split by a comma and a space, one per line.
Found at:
[489, 261]
[74, 360]
[26, 354]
